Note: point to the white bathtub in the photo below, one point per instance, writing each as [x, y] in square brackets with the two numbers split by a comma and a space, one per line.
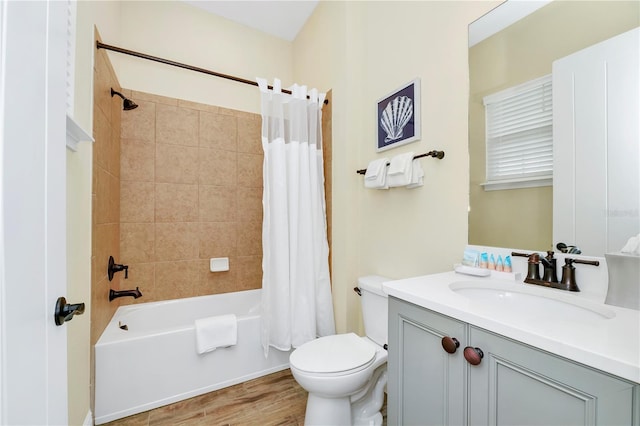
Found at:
[155, 362]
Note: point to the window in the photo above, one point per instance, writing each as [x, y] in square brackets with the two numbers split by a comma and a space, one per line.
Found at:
[519, 136]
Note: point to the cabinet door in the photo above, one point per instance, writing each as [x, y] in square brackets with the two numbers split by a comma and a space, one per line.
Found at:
[516, 384]
[426, 384]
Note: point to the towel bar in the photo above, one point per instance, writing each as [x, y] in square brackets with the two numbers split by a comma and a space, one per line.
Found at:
[435, 154]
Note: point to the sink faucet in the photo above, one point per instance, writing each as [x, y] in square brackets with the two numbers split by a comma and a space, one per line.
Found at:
[550, 278]
[114, 294]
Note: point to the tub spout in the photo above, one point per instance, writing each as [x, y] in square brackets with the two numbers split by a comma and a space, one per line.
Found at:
[114, 294]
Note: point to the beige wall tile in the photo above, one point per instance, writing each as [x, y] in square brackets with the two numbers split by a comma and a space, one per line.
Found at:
[102, 137]
[249, 135]
[137, 242]
[249, 204]
[249, 272]
[217, 239]
[176, 241]
[218, 131]
[113, 163]
[176, 126]
[108, 244]
[176, 164]
[198, 106]
[249, 238]
[137, 201]
[250, 170]
[217, 204]
[143, 96]
[176, 202]
[102, 84]
[217, 282]
[140, 123]
[217, 167]
[137, 160]
[107, 197]
[141, 275]
[175, 280]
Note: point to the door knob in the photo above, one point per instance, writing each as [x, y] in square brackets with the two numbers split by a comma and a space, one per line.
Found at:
[450, 344]
[65, 312]
[473, 355]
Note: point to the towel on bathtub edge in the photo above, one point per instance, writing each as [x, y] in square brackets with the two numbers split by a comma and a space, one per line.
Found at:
[216, 332]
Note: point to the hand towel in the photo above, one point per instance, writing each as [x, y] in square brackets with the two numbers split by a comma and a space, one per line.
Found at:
[399, 173]
[216, 332]
[376, 174]
[632, 246]
[417, 175]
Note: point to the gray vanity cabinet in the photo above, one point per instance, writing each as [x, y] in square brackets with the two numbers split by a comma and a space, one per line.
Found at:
[514, 384]
[426, 384]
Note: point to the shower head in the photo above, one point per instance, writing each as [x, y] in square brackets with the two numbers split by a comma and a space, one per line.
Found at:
[127, 104]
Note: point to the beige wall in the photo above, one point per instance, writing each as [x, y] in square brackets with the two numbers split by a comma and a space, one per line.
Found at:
[191, 190]
[524, 51]
[79, 184]
[371, 49]
[183, 33]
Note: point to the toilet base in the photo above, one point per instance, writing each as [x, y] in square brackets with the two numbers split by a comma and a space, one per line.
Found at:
[323, 411]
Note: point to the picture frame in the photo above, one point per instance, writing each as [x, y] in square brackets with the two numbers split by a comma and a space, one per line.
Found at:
[398, 117]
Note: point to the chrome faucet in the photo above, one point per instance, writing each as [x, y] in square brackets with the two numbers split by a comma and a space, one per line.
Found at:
[114, 294]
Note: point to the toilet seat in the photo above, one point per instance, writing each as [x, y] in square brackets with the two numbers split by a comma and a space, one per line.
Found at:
[336, 355]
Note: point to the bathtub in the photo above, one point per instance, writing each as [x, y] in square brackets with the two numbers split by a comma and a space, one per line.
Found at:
[155, 362]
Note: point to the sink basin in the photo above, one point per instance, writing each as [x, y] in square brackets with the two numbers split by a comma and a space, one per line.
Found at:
[518, 299]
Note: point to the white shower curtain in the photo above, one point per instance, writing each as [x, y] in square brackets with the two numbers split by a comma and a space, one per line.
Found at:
[296, 290]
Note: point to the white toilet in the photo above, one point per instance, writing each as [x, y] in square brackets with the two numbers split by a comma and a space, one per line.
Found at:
[346, 374]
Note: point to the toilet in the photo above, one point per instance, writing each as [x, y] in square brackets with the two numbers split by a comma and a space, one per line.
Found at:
[346, 374]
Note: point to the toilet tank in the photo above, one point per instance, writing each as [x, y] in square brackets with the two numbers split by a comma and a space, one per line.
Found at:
[375, 310]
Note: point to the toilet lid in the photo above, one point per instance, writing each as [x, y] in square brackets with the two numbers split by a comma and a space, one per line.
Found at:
[333, 354]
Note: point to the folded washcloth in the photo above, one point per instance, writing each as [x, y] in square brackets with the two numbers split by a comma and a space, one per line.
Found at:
[417, 175]
[376, 174]
[216, 332]
[632, 246]
[399, 172]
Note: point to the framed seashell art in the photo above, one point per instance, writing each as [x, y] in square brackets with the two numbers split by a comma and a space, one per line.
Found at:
[399, 117]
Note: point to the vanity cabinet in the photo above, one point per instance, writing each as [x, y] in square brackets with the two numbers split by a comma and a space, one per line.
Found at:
[513, 384]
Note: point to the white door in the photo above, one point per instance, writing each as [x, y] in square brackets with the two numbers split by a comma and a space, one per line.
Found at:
[33, 350]
[596, 145]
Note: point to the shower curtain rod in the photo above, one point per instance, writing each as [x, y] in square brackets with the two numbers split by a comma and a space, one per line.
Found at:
[101, 45]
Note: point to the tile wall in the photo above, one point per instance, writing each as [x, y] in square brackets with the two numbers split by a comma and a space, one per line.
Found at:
[105, 192]
[190, 190]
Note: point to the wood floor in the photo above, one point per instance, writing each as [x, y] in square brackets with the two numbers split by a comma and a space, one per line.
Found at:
[275, 399]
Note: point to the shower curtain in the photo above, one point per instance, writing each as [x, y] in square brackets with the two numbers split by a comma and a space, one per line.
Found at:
[296, 291]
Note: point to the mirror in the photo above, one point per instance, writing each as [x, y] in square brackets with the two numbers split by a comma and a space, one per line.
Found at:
[517, 53]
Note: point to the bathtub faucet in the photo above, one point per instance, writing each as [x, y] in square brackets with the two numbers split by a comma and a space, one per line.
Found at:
[114, 294]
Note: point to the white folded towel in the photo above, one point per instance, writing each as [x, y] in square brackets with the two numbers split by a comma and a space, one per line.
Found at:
[632, 246]
[399, 173]
[216, 332]
[417, 175]
[376, 174]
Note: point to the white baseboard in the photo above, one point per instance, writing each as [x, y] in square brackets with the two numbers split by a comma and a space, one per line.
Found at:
[88, 421]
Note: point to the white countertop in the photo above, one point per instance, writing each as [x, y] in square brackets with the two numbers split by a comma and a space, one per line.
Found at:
[608, 341]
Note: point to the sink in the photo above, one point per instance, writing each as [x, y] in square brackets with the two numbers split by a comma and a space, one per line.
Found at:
[519, 299]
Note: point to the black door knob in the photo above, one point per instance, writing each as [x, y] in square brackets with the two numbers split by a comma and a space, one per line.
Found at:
[65, 312]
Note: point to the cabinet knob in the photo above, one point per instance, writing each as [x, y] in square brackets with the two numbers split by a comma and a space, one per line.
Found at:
[473, 355]
[450, 344]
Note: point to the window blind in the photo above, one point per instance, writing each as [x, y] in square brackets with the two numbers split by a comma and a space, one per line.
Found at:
[519, 133]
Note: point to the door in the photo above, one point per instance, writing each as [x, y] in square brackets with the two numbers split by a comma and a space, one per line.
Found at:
[596, 149]
[426, 383]
[516, 384]
[33, 361]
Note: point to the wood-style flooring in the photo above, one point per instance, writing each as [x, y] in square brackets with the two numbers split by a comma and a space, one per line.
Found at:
[276, 399]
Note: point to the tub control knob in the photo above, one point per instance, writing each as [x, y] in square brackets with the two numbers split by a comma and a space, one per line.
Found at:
[450, 344]
[473, 355]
